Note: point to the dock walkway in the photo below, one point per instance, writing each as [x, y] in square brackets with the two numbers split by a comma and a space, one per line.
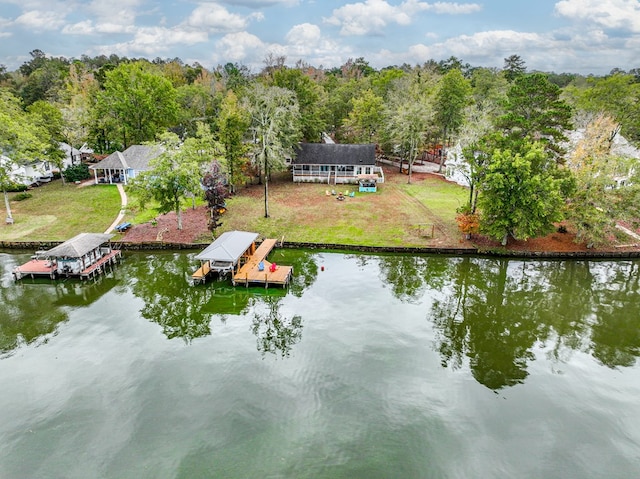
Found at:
[35, 267]
[201, 274]
[47, 267]
[96, 268]
[250, 271]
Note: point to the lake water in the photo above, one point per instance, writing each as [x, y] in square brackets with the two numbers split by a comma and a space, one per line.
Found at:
[367, 367]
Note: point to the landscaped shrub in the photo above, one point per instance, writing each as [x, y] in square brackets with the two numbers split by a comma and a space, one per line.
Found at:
[16, 187]
[77, 173]
[22, 196]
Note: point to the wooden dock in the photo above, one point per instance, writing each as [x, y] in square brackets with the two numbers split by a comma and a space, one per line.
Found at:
[46, 267]
[250, 272]
[97, 267]
[35, 267]
[201, 274]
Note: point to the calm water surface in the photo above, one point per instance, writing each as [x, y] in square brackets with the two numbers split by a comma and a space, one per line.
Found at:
[375, 367]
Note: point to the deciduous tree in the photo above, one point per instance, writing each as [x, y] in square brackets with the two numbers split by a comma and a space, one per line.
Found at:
[598, 201]
[174, 176]
[520, 197]
[21, 141]
[408, 118]
[233, 123]
[275, 126]
[140, 100]
[452, 97]
[365, 119]
[313, 114]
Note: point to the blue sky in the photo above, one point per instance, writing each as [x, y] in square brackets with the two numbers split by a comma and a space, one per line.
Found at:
[580, 36]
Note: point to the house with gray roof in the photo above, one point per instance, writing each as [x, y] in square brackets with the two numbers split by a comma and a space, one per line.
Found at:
[120, 167]
[335, 163]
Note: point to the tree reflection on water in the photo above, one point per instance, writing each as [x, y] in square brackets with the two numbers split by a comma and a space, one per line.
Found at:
[31, 310]
[275, 333]
[186, 311]
[491, 314]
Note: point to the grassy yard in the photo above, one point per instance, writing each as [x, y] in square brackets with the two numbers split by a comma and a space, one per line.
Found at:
[58, 212]
[398, 214]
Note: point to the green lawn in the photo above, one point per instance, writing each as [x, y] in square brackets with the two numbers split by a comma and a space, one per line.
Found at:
[389, 217]
[57, 212]
[298, 212]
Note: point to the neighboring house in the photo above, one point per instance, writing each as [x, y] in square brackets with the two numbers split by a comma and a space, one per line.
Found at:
[75, 156]
[121, 167]
[456, 168]
[620, 147]
[32, 173]
[333, 163]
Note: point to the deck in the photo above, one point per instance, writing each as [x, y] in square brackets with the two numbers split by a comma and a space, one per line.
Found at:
[202, 272]
[45, 267]
[35, 267]
[250, 273]
[96, 268]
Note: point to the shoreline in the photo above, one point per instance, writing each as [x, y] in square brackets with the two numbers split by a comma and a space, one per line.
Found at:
[448, 251]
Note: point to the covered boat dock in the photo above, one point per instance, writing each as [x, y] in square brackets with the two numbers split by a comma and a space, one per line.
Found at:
[227, 253]
[83, 256]
[235, 253]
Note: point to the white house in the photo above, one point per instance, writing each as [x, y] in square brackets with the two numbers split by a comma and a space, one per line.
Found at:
[32, 173]
[75, 156]
[120, 167]
[456, 167]
[334, 163]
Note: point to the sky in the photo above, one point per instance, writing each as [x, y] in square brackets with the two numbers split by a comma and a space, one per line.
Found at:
[572, 36]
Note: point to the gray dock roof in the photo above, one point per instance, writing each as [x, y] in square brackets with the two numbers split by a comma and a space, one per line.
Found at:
[229, 247]
[78, 246]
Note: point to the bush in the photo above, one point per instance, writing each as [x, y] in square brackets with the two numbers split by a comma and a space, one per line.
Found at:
[77, 173]
[22, 196]
[16, 188]
[468, 223]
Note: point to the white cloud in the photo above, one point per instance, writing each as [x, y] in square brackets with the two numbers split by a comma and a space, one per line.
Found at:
[154, 41]
[215, 18]
[164, 37]
[612, 14]
[87, 27]
[124, 11]
[261, 3]
[240, 47]
[373, 15]
[562, 51]
[4, 25]
[305, 41]
[41, 20]
[304, 34]
[111, 17]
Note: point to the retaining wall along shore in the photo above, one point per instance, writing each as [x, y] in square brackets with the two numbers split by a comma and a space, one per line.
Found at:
[161, 246]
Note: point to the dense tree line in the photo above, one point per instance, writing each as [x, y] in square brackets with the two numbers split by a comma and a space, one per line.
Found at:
[510, 124]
